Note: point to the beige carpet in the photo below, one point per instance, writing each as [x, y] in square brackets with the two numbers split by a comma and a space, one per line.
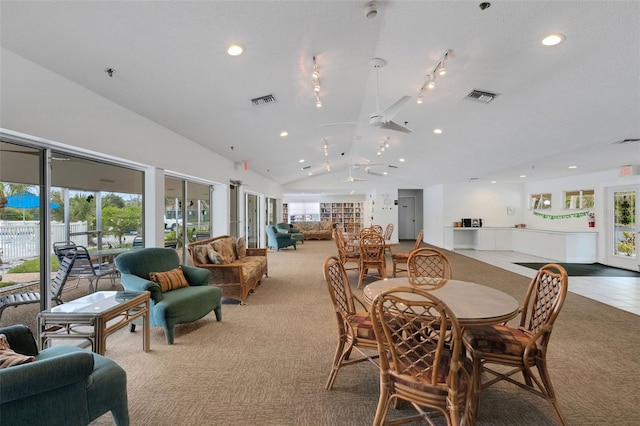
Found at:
[266, 363]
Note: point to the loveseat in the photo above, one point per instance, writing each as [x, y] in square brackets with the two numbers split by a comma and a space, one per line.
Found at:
[315, 230]
[175, 298]
[236, 269]
[63, 385]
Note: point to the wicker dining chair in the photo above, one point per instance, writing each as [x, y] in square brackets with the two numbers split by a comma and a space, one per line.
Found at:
[344, 254]
[427, 263]
[354, 327]
[388, 232]
[402, 258]
[421, 361]
[524, 348]
[371, 256]
[377, 228]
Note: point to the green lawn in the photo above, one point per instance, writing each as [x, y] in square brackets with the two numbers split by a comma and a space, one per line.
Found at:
[33, 265]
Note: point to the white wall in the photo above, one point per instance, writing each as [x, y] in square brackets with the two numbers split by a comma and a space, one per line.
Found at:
[595, 181]
[433, 210]
[43, 104]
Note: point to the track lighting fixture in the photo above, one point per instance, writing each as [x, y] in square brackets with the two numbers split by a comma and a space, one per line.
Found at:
[432, 82]
[439, 69]
[325, 146]
[315, 76]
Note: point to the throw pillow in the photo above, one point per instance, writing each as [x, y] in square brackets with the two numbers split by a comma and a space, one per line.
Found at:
[226, 248]
[169, 280]
[202, 255]
[8, 357]
[213, 256]
[241, 248]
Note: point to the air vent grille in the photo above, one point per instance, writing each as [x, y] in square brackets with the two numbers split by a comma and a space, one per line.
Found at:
[264, 100]
[481, 96]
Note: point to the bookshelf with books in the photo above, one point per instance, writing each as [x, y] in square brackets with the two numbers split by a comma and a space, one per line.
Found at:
[349, 215]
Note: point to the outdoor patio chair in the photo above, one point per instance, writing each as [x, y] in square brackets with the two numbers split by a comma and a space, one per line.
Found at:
[57, 285]
[84, 268]
[524, 347]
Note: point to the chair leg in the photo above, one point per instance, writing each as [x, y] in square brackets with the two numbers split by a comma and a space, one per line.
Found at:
[341, 353]
[548, 392]
[383, 405]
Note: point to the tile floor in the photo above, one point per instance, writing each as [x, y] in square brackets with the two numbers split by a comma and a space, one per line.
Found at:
[619, 292]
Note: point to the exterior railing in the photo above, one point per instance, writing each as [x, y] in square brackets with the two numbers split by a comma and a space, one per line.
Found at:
[21, 240]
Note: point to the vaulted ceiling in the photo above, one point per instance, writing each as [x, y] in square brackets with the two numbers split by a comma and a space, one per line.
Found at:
[558, 106]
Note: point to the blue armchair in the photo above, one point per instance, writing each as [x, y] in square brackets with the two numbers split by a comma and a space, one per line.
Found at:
[178, 306]
[65, 385]
[279, 240]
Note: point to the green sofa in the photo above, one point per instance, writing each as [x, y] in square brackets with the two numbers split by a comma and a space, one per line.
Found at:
[65, 385]
[178, 306]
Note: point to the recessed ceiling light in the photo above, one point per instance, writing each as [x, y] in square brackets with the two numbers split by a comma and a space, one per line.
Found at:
[235, 49]
[301, 160]
[437, 131]
[284, 133]
[385, 173]
[401, 160]
[523, 176]
[553, 39]
[573, 167]
[493, 181]
[310, 173]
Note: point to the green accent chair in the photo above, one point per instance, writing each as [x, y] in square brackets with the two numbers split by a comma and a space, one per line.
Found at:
[178, 306]
[65, 385]
[279, 240]
[295, 232]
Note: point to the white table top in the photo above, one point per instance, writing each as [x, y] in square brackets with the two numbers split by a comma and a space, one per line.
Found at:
[473, 304]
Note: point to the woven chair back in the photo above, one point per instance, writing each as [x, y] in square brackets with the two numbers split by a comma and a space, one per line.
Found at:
[388, 232]
[428, 267]
[544, 299]
[339, 288]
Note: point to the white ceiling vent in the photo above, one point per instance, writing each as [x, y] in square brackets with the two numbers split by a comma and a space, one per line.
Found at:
[264, 100]
[481, 96]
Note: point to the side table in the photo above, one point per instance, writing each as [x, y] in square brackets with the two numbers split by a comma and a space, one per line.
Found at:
[94, 317]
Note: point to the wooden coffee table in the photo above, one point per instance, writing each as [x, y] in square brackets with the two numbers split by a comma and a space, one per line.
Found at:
[94, 317]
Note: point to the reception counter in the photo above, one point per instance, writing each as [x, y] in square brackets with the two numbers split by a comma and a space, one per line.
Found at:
[562, 246]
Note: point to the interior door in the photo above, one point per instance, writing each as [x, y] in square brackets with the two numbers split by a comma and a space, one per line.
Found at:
[623, 216]
[407, 218]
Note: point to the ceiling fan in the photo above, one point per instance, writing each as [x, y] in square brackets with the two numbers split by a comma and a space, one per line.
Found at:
[382, 119]
[351, 178]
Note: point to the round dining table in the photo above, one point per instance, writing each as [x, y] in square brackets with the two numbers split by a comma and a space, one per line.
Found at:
[473, 304]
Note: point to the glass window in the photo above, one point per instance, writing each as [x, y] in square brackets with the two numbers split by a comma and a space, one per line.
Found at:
[540, 201]
[583, 199]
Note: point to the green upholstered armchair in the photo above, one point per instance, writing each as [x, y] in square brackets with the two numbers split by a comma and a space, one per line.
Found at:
[279, 240]
[65, 385]
[178, 306]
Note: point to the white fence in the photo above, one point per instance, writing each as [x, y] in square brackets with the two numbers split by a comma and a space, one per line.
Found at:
[21, 240]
